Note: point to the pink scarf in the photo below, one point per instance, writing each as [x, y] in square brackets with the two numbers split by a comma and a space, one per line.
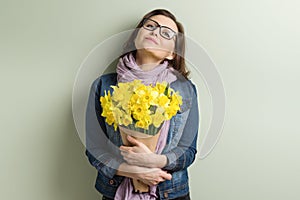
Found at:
[128, 71]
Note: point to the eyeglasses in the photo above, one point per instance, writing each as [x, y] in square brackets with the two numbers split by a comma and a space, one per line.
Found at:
[164, 31]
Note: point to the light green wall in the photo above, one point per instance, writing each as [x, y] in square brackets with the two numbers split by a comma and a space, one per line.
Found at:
[255, 45]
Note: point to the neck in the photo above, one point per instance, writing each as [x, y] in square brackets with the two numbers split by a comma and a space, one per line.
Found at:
[145, 61]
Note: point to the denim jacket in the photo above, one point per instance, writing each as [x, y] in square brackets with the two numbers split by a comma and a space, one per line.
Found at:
[103, 142]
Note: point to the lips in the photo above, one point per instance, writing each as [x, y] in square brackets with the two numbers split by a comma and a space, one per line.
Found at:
[151, 39]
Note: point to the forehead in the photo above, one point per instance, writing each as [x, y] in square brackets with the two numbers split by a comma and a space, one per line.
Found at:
[165, 21]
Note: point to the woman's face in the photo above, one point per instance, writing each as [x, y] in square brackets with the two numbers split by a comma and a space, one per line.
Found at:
[152, 42]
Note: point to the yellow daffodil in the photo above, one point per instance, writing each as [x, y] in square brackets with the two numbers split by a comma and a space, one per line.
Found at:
[140, 106]
[158, 117]
[163, 101]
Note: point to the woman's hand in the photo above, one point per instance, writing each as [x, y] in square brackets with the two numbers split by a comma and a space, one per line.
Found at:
[141, 155]
[153, 176]
[149, 176]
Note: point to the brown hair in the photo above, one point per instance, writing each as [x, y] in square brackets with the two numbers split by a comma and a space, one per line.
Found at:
[178, 62]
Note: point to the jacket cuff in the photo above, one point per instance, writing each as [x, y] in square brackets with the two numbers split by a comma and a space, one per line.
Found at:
[173, 159]
[108, 166]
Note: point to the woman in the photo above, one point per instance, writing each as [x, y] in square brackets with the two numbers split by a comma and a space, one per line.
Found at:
[153, 53]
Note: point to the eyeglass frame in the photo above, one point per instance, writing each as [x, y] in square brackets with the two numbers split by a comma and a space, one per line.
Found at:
[159, 26]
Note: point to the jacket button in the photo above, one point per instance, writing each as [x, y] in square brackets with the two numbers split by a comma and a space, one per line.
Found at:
[111, 182]
[166, 195]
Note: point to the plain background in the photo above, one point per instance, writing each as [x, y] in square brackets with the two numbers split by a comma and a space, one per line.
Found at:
[255, 45]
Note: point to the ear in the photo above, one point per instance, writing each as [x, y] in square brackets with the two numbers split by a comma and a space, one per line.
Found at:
[171, 56]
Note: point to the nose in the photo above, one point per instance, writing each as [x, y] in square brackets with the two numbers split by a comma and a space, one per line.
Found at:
[155, 32]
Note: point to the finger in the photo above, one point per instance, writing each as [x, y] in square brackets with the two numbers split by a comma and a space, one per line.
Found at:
[154, 183]
[127, 159]
[124, 148]
[127, 155]
[132, 140]
[160, 179]
[166, 176]
[124, 154]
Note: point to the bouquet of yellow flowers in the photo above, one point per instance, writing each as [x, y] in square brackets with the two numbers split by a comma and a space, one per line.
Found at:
[140, 107]
[139, 110]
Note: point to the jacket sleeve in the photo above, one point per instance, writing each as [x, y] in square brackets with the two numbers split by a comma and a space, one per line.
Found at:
[99, 149]
[183, 155]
